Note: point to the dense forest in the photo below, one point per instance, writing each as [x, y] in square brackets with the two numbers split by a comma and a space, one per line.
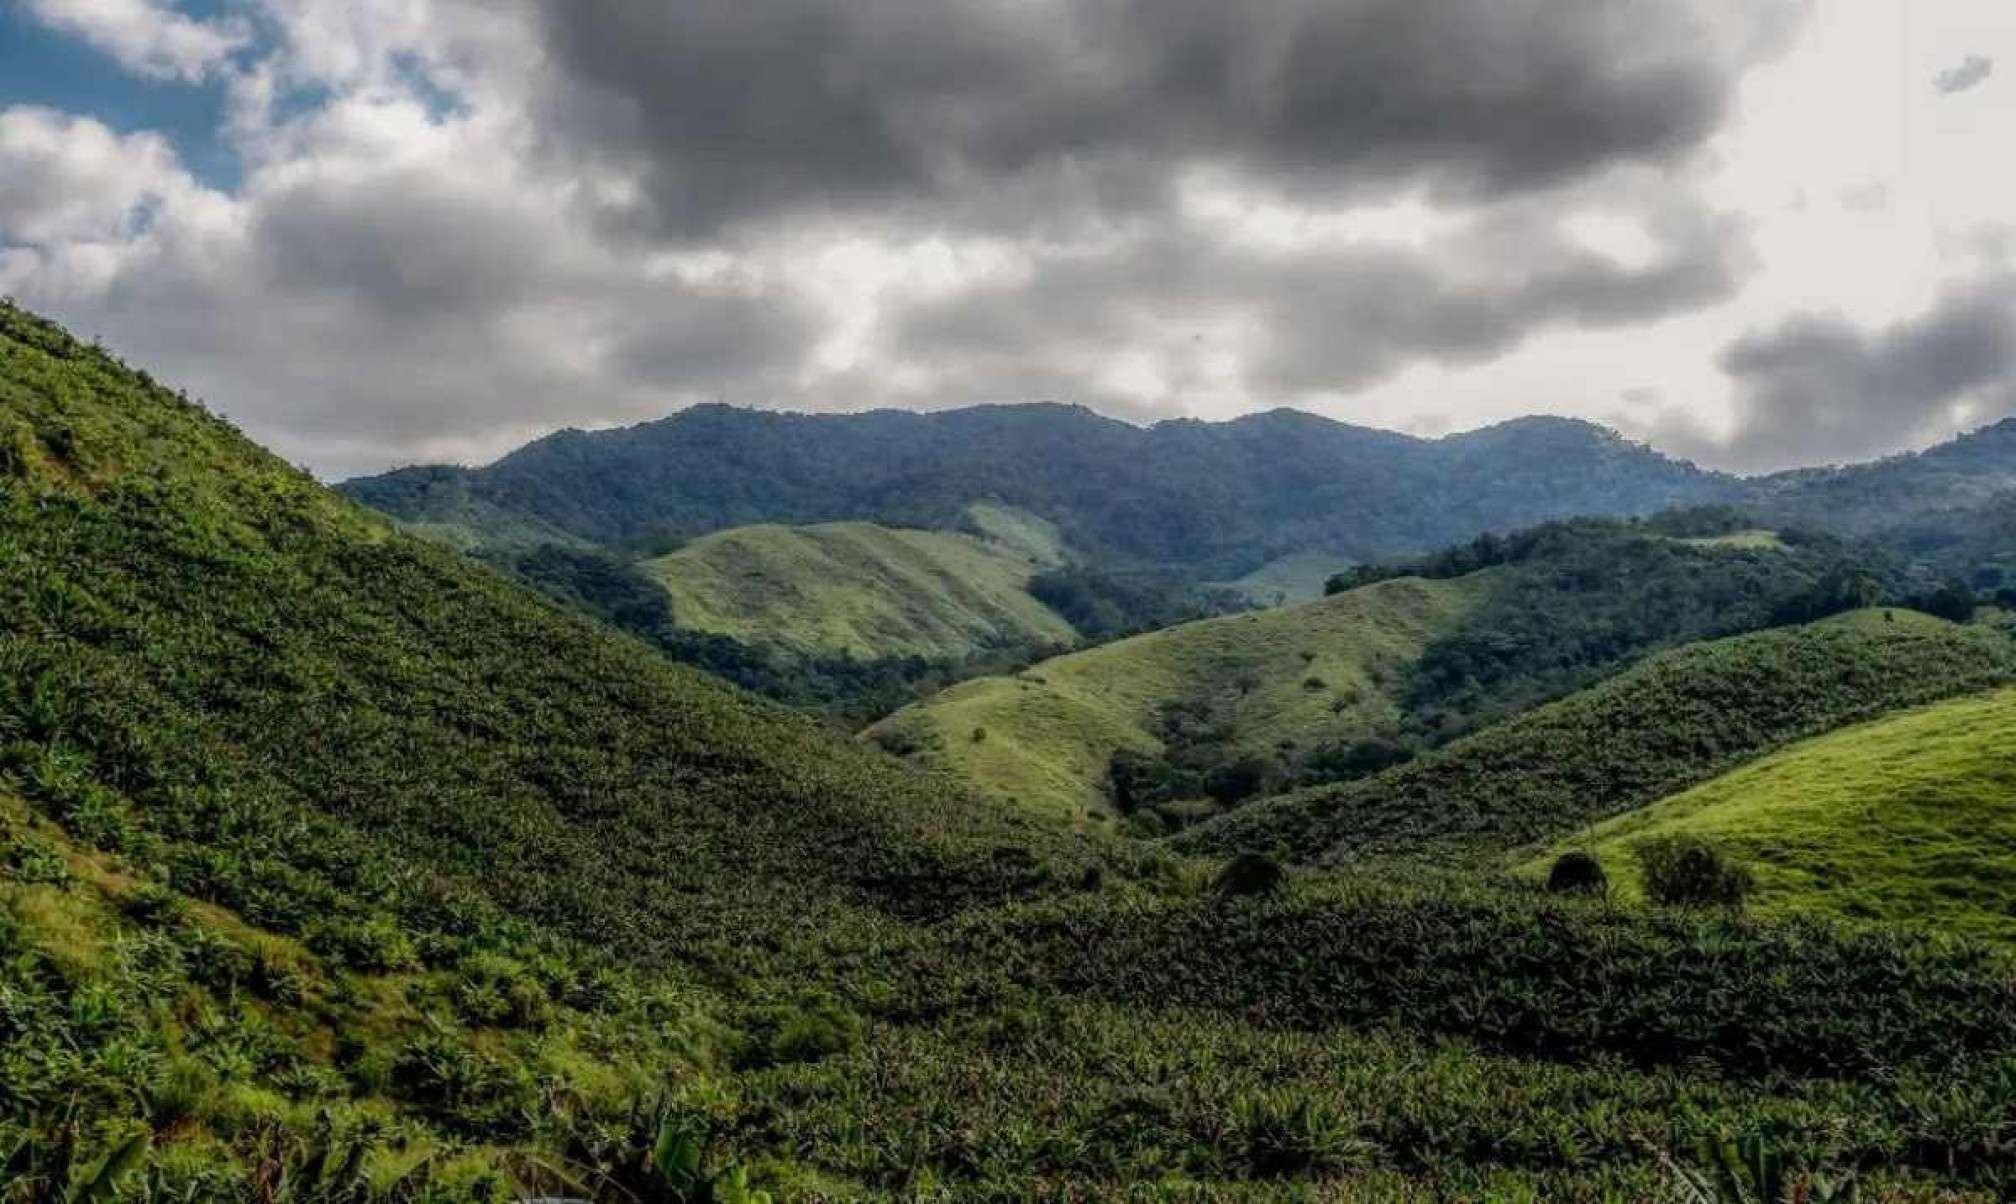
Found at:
[1212, 500]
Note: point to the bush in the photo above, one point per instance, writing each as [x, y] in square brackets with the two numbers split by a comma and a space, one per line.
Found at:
[1687, 871]
[1250, 874]
[1577, 873]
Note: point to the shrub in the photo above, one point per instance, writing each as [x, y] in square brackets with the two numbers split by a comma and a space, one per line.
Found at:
[1250, 874]
[1577, 872]
[1687, 871]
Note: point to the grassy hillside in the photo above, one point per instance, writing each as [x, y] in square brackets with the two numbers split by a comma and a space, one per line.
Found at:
[1299, 577]
[858, 589]
[1675, 720]
[1909, 818]
[1045, 738]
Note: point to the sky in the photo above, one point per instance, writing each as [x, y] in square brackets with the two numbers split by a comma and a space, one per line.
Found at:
[1754, 233]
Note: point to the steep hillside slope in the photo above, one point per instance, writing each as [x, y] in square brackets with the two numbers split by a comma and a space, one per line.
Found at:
[1674, 720]
[1908, 818]
[1215, 499]
[1045, 739]
[371, 678]
[858, 589]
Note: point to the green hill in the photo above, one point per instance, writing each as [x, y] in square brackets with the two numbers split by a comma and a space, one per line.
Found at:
[1046, 737]
[859, 590]
[1177, 724]
[1677, 719]
[1908, 818]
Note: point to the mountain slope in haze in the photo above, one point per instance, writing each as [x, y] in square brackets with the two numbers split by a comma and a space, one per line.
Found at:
[861, 590]
[1909, 818]
[1657, 728]
[1045, 739]
[1219, 499]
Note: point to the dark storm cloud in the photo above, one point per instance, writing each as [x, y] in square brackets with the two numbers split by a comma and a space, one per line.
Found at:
[1971, 72]
[1817, 389]
[1331, 320]
[983, 112]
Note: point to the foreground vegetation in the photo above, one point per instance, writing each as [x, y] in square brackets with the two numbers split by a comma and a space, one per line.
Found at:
[337, 867]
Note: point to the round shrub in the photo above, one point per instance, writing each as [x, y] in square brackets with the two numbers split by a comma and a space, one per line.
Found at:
[1687, 871]
[1250, 874]
[1577, 873]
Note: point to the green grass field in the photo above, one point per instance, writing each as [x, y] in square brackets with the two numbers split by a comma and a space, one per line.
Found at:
[1908, 818]
[1675, 720]
[1324, 670]
[1755, 539]
[1299, 577]
[863, 590]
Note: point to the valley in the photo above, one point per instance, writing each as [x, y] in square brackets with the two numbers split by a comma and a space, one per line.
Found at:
[333, 856]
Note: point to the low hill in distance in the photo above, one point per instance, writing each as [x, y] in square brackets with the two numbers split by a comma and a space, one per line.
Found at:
[861, 590]
[1045, 738]
[1171, 727]
[1908, 818]
[1648, 732]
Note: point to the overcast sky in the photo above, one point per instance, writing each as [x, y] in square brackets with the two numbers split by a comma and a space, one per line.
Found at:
[1753, 232]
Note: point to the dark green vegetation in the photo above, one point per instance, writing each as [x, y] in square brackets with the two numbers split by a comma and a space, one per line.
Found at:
[337, 867]
[1677, 719]
[1216, 500]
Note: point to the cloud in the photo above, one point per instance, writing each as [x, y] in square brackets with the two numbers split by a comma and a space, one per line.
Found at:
[1817, 389]
[1971, 72]
[70, 179]
[372, 308]
[463, 224]
[971, 111]
[148, 37]
[1199, 312]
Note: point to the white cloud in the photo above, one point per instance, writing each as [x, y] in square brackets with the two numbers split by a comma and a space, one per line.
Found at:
[148, 37]
[418, 266]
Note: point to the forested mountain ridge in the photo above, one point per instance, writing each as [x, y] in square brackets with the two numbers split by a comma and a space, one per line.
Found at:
[1215, 499]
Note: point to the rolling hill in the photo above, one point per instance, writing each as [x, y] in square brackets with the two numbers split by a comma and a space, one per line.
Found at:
[1676, 719]
[862, 590]
[1909, 818]
[1186, 720]
[1045, 738]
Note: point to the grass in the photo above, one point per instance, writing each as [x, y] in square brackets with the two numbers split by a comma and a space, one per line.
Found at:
[863, 590]
[1755, 539]
[1910, 818]
[1662, 726]
[1044, 738]
[1297, 577]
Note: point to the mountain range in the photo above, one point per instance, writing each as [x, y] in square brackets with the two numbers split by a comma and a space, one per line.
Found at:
[1214, 501]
